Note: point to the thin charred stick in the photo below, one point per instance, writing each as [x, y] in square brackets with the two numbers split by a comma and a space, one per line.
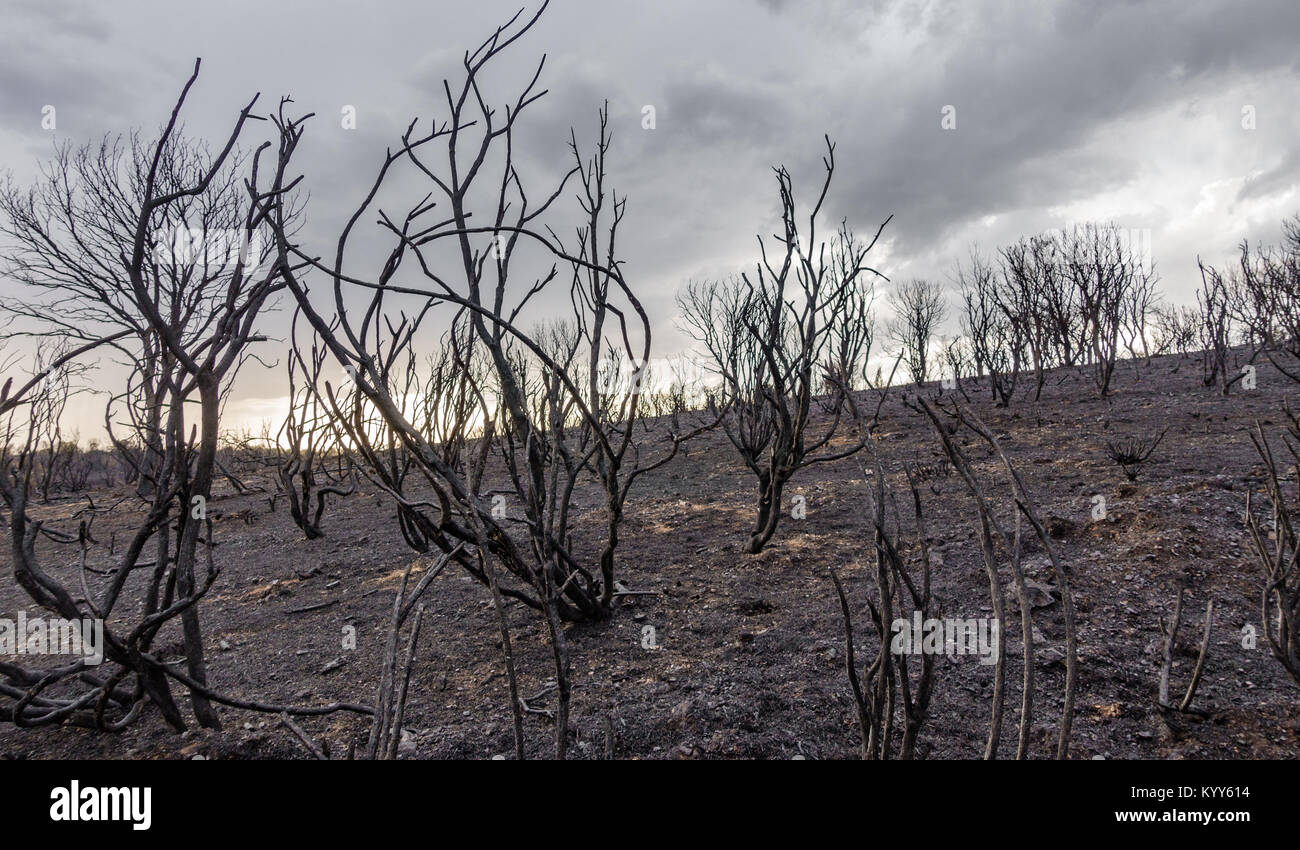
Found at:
[1171, 637]
[1200, 658]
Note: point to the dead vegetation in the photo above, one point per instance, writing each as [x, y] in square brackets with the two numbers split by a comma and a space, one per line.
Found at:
[601, 604]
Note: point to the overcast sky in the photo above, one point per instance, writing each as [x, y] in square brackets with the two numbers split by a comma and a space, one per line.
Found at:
[1173, 116]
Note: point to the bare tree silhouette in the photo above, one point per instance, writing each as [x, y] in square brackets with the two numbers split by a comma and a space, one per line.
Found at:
[919, 309]
[778, 335]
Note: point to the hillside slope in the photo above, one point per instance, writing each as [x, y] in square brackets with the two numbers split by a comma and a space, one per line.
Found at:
[749, 659]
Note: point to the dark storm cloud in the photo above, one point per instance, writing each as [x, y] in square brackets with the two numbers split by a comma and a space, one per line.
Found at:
[1127, 111]
[1030, 87]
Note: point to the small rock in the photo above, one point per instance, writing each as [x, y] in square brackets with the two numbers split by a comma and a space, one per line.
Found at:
[1040, 595]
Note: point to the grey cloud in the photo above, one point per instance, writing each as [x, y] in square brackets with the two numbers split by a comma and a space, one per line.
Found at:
[39, 50]
[1043, 93]
[1282, 177]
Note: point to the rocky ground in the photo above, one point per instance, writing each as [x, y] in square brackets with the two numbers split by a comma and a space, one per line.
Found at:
[749, 657]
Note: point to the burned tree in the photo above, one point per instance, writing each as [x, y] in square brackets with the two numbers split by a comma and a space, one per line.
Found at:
[1138, 308]
[776, 335]
[188, 283]
[1278, 549]
[476, 248]
[919, 309]
[1075, 297]
[1175, 329]
[305, 441]
[996, 341]
[555, 421]
[1108, 277]
[1266, 283]
[76, 246]
[1031, 296]
[1220, 308]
